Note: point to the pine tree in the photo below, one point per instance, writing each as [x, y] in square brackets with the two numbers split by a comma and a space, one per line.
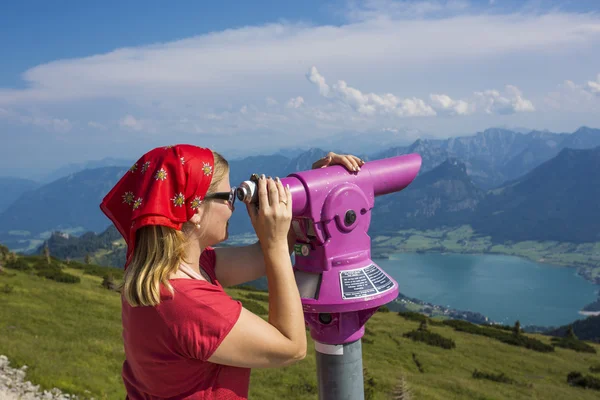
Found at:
[423, 326]
[402, 391]
[108, 282]
[88, 259]
[571, 333]
[47, 252]
[517, 328]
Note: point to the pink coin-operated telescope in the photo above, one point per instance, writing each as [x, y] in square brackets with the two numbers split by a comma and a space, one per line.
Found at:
[340, 286]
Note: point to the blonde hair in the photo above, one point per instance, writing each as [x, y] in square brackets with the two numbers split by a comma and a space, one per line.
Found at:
[158, 252]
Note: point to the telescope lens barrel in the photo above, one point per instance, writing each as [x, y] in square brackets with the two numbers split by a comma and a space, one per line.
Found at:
[247, 192]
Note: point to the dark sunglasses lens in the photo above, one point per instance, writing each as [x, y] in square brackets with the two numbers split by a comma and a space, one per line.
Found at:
[232, 196]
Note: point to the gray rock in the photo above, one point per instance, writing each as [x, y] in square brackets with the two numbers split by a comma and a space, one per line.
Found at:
[13, 385]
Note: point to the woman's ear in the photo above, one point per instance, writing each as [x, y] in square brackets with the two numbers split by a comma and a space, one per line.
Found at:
[197, 218]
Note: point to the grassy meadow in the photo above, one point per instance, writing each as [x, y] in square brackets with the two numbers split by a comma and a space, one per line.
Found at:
[69, 335]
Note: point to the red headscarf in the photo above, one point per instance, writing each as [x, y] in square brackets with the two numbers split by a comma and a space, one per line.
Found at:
[164, 187]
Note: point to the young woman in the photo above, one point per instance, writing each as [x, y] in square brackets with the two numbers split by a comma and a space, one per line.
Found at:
[184, 337]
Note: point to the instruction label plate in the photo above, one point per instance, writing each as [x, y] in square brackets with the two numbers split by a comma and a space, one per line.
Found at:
[364, 282]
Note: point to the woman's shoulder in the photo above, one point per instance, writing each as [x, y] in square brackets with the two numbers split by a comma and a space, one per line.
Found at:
[195, 300]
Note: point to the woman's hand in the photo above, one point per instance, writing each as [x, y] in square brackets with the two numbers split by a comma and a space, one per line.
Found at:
[352, 163]
[272, 219]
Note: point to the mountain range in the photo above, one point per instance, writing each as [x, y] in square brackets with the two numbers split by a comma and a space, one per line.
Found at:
[509, 185]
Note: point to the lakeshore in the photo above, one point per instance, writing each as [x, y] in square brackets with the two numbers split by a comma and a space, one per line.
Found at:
[584, 257]
[502, 288]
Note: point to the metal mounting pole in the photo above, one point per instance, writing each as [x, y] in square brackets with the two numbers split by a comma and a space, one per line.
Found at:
[340, 371]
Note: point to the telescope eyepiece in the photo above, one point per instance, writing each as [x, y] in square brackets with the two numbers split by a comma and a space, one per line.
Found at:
[247, 192]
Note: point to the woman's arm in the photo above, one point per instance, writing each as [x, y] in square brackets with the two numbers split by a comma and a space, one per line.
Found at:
[238, 265]
[254, 342]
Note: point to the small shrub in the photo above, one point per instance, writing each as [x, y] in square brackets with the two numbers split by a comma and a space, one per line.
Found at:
[418, 363]
[370, 385]
[304, 387]
[58, 276]
[500, 327]
[430, 338]
[505, 337]
[595, 368]
[383, 309]
[257, 296]
[7, 289]
[588, 381]
[108, 282]
[254, 307]
[435, 322]
[573, 344]
[493, 377]
[4, 252]
[42, 265]
[18, 264]
[412, 316]
[97, 270]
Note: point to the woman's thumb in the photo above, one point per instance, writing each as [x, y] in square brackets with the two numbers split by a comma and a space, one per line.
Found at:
[251, 210]
[327, 160]
[323, 162]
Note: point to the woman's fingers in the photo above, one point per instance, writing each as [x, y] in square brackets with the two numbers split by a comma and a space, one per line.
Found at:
[288, 194]
[351, 162]
[273, 193]
[358, 161]
[322, 163]
[280, 190]
[348, 162]
[263, 196]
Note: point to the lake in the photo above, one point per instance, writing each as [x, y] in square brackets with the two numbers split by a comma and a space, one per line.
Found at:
[503, 288]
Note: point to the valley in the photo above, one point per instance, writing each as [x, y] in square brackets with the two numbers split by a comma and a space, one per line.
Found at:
[71, 339]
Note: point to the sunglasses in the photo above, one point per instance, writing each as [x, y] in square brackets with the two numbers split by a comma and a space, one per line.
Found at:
[229, 196]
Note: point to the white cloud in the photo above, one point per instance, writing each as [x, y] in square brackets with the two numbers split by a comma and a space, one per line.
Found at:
[572, 97]
[250, 60]
[48, 123]
[271, 101]
[594, 86]
[96, 125]
[369, 103]
[493, 102]
[398, 61]
[316, 78]
[444, 103]
[295, 102]
[61, 125]
[371, 9]
[130, 122]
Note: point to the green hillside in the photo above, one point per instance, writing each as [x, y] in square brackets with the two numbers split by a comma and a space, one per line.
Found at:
[69, 334]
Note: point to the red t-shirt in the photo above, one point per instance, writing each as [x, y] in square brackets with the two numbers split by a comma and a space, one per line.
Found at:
[166, 346]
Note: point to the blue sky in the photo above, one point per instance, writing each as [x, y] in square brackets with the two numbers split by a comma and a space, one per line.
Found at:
[87, 80]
